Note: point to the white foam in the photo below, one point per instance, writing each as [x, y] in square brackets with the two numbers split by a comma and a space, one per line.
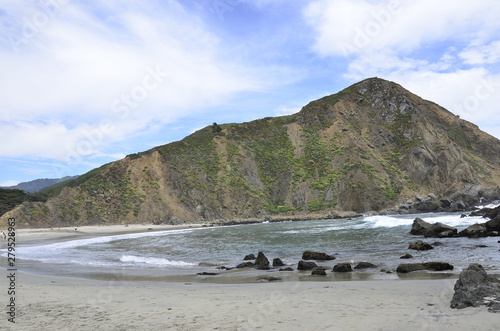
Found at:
[393, 221]
[155, 261]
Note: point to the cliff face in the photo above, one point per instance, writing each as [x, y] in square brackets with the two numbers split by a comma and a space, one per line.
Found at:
[370, 147]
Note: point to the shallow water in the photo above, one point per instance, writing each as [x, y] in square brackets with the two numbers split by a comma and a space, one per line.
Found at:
[180, 254]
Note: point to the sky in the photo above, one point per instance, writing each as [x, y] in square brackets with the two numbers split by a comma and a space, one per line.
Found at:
[84, 83]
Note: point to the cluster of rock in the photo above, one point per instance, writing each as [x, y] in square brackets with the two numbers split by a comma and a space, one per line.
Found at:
[440, 230]
[432, 204]
[475, 288]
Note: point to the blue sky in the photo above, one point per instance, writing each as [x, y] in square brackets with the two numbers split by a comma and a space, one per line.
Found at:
[86, 83]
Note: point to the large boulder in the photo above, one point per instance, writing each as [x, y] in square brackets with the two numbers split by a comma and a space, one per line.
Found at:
[304, 265]
[419, 245]
[318, 256]
[319, 271]
[475, 287]
[440, 230]
[261, 262]
[474, 231]
[419, 226]
[432, 266]
[493, 226]
[277, 262]
[342, 267]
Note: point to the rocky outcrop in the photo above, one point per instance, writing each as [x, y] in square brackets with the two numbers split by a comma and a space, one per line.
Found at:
[317, 256]
[249, 257]
[419, 226]
[433, 266]
[277, 262]
[420, 245]
[342, 267]
[305, 265]
[318, 271]
[261, 262]
[475, 288]
[474, 231]
[440, 230]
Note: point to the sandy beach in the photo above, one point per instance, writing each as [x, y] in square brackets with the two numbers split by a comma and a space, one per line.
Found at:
[62, 303]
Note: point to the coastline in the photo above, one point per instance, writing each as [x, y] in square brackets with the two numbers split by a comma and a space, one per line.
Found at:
[82, 304]
[198, 303]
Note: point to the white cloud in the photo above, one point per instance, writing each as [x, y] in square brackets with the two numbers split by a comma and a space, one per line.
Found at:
[92, 62]
[350, 27]
[446, 51]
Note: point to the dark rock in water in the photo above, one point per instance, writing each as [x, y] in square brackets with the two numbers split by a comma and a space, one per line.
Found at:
[261, 262]
[286, 269]
[207, 274]
[249, 257]
[419, 226]
[433, 266]
[277, 262]
[474, 288]
[318, 271]
[364, 265]
[419, 245]
[440, 230]
[407, 256]
[342, 267]
[245, 265]
[463, 216]
[318, 256]
[303, 265]
[437, 243]
[474, 231]
[493, 225]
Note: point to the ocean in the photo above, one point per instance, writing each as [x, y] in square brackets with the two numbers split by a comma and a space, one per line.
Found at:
[179, 255]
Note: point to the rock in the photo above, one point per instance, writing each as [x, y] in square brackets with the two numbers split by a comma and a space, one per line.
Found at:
[286, 269]
[440, 230]
[277, 262]
[407, 256]
[364, 265]
[493, 225]
[419, 226]
[207, 274]
[249, 257]
[303, 265]
[419, 245]
[433, 266]
[318, 256]
[474, 231]
[318, 271]
[342, 267]
[261, 262]
[245, 265]
[475, 287]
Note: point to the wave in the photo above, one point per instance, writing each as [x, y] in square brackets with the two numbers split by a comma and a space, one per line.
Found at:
[154, 261]
[393, 221]
[32, 251]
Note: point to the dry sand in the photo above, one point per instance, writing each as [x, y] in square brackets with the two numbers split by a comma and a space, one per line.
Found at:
[59, 303]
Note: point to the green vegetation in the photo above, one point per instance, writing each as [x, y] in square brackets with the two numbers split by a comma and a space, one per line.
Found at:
[10, 198]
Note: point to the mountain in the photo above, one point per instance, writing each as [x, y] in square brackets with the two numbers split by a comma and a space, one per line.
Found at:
[369, 148]
[39, 184]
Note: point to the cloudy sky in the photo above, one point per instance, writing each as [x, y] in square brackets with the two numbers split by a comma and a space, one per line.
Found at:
[83, 83]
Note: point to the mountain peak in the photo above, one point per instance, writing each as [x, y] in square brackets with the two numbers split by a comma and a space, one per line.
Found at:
[371, 147]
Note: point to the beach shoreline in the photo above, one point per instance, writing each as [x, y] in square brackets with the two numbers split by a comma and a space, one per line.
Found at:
[66, 303]
[298, 302]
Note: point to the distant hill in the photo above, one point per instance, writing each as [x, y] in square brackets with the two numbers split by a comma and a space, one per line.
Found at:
[372, 147]
[39, 184]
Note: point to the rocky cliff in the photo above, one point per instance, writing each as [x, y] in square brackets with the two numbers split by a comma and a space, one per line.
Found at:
[371, 147]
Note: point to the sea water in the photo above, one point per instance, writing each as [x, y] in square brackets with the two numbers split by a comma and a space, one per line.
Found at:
[381, 240]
